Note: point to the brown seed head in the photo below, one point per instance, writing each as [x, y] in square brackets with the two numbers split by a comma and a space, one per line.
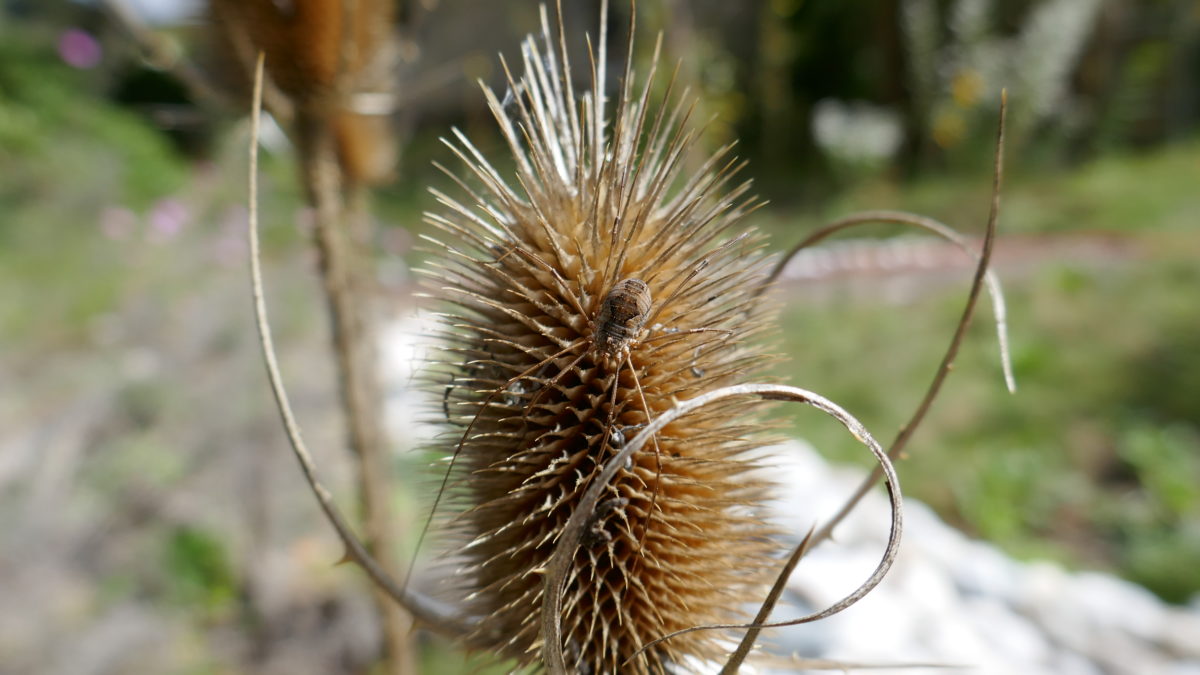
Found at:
[322, 55]
[589, 295]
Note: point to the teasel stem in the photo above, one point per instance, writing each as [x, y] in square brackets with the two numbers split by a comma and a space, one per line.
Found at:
[359, 393]
[884, 468]
[572, 535]
[939, 378]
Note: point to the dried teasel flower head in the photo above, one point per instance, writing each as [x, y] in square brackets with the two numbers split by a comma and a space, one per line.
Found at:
[333, 60]
[590, 293]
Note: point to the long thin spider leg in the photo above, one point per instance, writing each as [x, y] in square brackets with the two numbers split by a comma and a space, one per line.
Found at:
[690, 331]
[462, 441]
[449, 389]
[657, 453]
[605, 442]
[446, 398]
[612, 412]
[554, 380]
[690, 275]
[678, 289]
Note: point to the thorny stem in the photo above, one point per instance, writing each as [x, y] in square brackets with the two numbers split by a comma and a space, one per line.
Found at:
[352, 334]
[557, 566]
[999, 310]
[884, 468]
[422, 607]
[907, 431]
[359, 392]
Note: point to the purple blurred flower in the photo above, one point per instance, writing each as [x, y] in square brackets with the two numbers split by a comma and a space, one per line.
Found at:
[78, 49]
[167, 218]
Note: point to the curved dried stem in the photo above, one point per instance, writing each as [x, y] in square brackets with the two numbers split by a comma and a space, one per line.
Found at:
[768, 605]
[785, 393]
[568, 543]
[994, 289]
[935, 386]
[435, 614]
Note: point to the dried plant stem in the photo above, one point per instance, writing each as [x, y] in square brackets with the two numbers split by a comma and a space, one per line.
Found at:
[352, 334]
[423, 608]
[768, 605]
[569, 541]
[344, 278]
[999, 310]
[884, 468]
[935, 386]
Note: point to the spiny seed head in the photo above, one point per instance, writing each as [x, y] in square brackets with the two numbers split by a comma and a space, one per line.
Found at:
[591, 293]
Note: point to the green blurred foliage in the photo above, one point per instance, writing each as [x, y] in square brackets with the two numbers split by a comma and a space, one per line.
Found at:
[49, 121]
[66, 155]
[197, 570]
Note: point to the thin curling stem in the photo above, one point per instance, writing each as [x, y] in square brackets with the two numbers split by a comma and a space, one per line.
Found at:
[999, 308]
[935, 386]
[568, 543]
[892, 481]
[426, 609]
[764, 612]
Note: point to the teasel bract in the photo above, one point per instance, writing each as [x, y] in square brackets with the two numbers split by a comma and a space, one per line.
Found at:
[588, 293]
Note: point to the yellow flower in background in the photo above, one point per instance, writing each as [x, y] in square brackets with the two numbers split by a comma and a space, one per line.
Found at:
[949, 128]
[966, 88]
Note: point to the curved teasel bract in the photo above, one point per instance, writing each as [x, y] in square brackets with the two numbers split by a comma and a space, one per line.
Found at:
[537, 403]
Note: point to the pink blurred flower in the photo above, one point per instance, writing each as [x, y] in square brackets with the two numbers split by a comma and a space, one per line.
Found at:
[167, 218]
[78, 49]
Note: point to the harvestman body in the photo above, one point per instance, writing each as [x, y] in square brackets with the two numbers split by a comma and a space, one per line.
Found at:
[621, 318]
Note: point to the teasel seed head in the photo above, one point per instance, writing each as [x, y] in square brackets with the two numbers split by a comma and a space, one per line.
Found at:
[589, 294]
[326, 58]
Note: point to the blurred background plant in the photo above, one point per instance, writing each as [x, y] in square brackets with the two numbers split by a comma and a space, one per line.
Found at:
[146, 500]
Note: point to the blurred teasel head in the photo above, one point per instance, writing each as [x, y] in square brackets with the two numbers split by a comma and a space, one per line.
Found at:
[590, 289]
[332, 64]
